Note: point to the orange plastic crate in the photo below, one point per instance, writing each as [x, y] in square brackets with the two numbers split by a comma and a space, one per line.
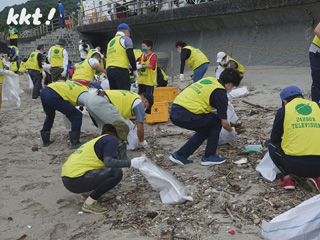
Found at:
[159, 113]
[165, 94]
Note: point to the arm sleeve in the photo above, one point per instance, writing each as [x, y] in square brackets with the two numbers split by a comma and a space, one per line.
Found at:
[93, 61]
[65, 59]
[16, 30]
[131, 58]
[277, 128]
[233, 65]
[39, 58]
[139, 112]
[185, 53]
[115, 163]
[153, 61]
[49, 55]
[219, 100]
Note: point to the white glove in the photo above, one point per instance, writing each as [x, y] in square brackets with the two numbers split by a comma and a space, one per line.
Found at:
[44, 74]
[233, 133]
[139, 66]
[64, 73]
[181, 76]
[143, 144]
[137, 162]
[61, 15]
[9, 73]
[136, 75]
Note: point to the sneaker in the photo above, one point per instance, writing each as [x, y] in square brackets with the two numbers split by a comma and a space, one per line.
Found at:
[176, 158]
[212, 160]
[316, 182]
[288, 184]
[83, 198]
[95, 208]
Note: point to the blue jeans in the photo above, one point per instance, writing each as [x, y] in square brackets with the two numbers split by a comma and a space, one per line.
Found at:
[315, 74]
[199, 72]
[207, 126]
[145, 89]
[52, 101]
[62, 23]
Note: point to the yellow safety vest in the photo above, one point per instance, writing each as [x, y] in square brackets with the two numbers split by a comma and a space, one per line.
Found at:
[165, 78]
[123, 101]
[14, 66]
[147, 76]
[13, 34]
[196, 97]
[69, 91]
[91, 51]
[196, 59]
[316, 41]
[82, 160]
[1, 76]
[32, 62]
[301, 128]
[22, 67]
[240, 66]
[137, 53]
[84, 71]
[15, 48]
[56, 56]
[116, 54]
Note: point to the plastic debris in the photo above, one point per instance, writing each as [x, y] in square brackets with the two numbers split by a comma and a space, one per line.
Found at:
[241, 161]
[253, 148]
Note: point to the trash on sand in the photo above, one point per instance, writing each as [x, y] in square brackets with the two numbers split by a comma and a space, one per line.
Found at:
[241, 161]
[253, 148]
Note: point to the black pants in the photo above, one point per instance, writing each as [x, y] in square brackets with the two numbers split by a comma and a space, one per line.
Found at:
[36, 78]
[302, 166]
[48, 79]
[14, 42]
[119, 78]
[98, 180]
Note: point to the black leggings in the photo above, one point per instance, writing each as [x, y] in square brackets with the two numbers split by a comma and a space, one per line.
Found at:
[98, 180]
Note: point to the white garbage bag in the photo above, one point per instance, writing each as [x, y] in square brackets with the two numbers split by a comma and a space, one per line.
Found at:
[132, 136]
[171, 190]
[105, 84]
[11, 89]
[30, 82]
[299, 223]
[225, 137]
[267, 168]
[238, 92]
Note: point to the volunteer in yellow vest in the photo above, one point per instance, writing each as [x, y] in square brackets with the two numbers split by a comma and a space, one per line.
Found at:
[314, 58]
[3, 50]
[192, 110]
[86, 69]
[162, 79]
[35, 70]
[63, 97]
[80, 14]
[295, 136]
[119, 56]
[14, 66]
[14, 53]
[92, 51]
[147, 67]
[13, 34]
[58, 59]
[94, 169]
[111, 105]
[196, 60]
[23, 66]
[226, 61]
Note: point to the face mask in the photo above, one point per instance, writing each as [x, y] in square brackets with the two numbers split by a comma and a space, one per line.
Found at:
[144, 49]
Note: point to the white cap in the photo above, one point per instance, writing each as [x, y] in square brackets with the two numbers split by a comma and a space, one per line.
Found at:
[220, 55]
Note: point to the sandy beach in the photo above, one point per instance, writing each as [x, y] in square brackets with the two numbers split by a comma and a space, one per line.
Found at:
[35, 205]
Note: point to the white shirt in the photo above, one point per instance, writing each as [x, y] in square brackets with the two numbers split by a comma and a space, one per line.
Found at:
[65, 57]
[83, 53]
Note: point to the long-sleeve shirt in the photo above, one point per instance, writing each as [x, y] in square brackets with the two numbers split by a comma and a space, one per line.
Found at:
[65, 57]
[277, 128]
[184, 55]
[61, 8]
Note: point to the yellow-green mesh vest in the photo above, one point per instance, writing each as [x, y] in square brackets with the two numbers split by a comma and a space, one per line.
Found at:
[1, 76]
[316, 41]
[197, 58]
[147, 76]
[116, 54]
[32, 62]
[13, 34]
[22, 67]
[84, 71]
[56, 56]
[240, 66]
[14, 66]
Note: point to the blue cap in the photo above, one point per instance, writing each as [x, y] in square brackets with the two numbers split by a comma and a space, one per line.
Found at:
[290, 91]
[123, 26]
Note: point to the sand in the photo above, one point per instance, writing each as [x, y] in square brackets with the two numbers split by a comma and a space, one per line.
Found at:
[35, 205]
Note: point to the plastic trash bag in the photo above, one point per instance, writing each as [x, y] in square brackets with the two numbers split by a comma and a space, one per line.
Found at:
[267, 168]
[225, 137]
[299, 223]
[219, 71]
[30, 82]
[11, 89]
[86, 125]
[171, 190]
[238, 92]
[105, 84]
[132, 136]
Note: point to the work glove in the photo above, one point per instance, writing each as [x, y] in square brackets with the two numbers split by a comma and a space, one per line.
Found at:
[181, 76]
[139, 66]
[137, 162]
[44, 74]
[9, 73]
[61, 15]
[136, 75]
[233, 132]
[64, 73]
[143, 144]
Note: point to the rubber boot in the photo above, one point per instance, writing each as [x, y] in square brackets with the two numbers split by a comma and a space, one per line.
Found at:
[74, 139]
[122, 152]
[45, 135]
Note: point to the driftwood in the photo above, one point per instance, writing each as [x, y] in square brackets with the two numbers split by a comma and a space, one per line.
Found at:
[257, 105]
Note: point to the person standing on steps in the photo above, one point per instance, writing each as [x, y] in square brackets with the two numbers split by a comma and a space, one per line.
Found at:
[58, 59]
[13, 34]
[62, 23]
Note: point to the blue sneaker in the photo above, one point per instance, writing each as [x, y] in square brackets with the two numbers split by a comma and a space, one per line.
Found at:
[179, 159]
[212, 160]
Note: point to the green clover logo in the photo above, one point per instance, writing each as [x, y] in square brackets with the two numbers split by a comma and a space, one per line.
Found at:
[112, 43]
[303, 109]
[206, 82]
[32, 55]
[56, 51]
